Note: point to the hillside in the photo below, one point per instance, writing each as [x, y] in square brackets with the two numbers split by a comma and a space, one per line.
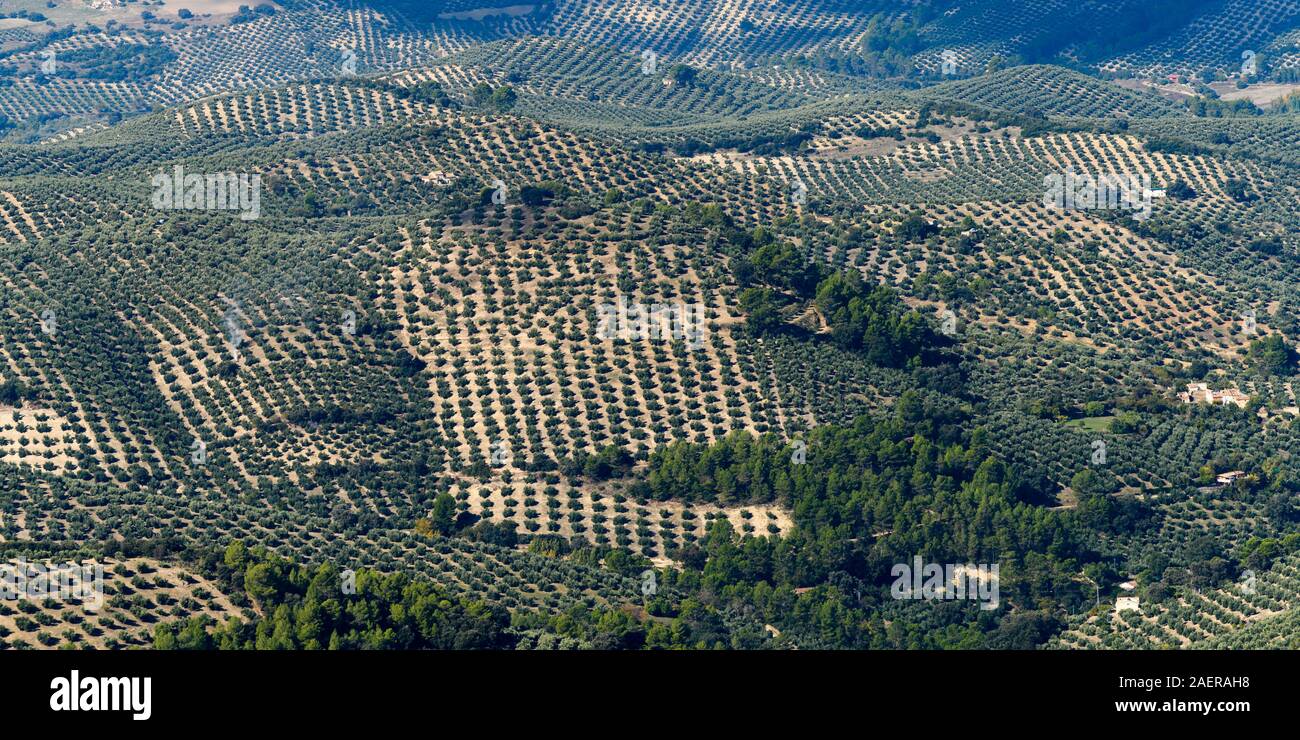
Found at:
[625, 324]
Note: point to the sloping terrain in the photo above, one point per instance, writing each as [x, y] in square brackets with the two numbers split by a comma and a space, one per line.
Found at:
[652, 324]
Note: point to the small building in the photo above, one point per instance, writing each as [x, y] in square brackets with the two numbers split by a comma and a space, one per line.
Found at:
[1265, 413]
[1129, 585]
[1231, 396]
[1202, 393]
[1230, 477]
[1127, 603]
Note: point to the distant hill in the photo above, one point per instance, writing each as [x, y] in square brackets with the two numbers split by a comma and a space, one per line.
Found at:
[1046, 90]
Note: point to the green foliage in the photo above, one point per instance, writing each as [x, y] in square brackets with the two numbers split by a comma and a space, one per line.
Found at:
[542, 193]
[432, 92]
[443, 516]
[1180, 190]
[915, 228]
[498, 99]
[762, 310]
[1272, 355]
[873, 494]
[1238, 190]
[872, 320]
[310, 609]
[611, 461]
[328, 445]
[13, 393]
[117, 63]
